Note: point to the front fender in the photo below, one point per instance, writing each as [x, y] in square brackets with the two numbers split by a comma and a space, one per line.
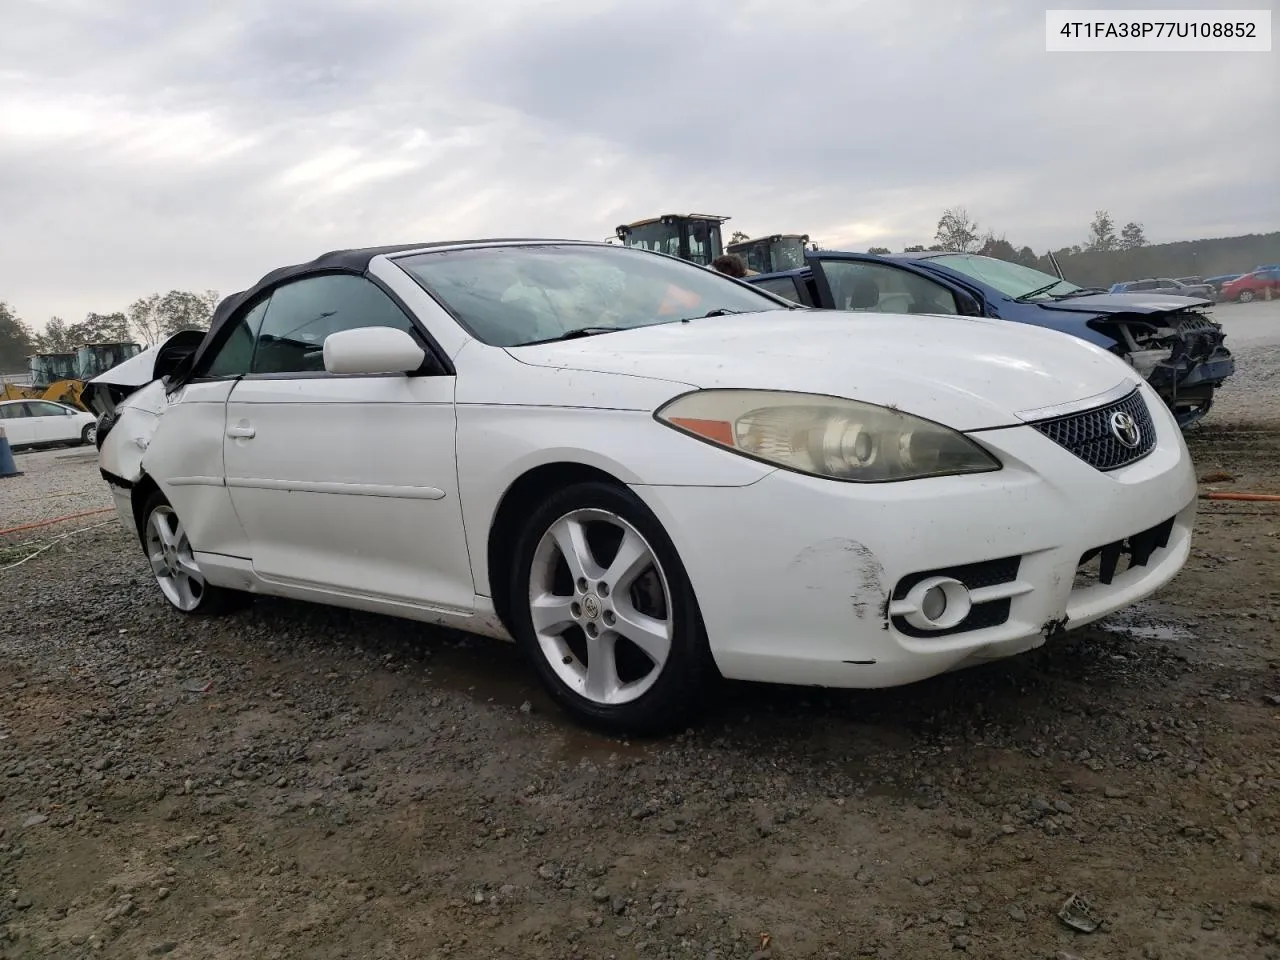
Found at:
[1075, 325]
[497, 445]
[134, 422]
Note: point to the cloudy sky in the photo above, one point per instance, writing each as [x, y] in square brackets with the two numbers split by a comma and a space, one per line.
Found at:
[151, 144]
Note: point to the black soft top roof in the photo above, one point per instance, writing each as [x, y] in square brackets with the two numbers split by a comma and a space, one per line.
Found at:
[355, 260]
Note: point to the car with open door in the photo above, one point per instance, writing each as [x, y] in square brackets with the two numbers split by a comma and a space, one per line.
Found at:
[646, 473]
[1169, 340]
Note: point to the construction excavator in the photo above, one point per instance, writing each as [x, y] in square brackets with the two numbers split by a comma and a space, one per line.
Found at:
[696, 237]
[61, 377]
[779, 251]
[689, 236]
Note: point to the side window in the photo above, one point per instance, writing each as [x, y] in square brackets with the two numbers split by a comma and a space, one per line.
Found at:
[858, 285]
[304, 312]
[783, 287]
[12, 411]
[41, 408]
[234, 357]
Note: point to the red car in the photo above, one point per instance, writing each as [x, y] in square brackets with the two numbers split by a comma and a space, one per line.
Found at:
[1253, 286]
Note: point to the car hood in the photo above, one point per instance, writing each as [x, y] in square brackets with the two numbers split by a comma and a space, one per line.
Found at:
[968, 373]
[137, 371]
[1137, 303]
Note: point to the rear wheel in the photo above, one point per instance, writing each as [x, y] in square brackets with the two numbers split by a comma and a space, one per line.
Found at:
[604, 610]
[174, 565]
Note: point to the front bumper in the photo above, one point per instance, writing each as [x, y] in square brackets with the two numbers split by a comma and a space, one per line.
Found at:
[1209, 372]
[799, 578]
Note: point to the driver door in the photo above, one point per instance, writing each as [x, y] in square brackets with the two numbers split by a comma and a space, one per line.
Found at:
[346, 484]
[852, 282]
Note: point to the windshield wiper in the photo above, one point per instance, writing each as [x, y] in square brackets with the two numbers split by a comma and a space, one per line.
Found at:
[576, 333]
[718, 312]
[1082, 292]
[1037, 291]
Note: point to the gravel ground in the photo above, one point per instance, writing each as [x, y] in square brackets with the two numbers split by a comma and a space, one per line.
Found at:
[301, 782]
[1253, 336]
[54, 483]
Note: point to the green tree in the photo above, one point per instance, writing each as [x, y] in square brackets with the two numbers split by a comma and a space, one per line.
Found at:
[738, 236]
[956, 231]
[56, 337]
[102, 328]
[1102, 233]
[1132, 236]
[16, 341]
[62, 337]
[159, 316]
[998, 247]
[918, 248]
[879, 251]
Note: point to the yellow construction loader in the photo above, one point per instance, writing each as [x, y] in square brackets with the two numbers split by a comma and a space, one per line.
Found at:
[697, 237]
[61, 377]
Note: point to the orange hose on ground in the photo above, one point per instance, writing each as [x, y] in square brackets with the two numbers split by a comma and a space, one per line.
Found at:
[1266, 497]
[69, 516]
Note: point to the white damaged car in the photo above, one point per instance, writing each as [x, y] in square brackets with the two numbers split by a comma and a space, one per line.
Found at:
[647, 473]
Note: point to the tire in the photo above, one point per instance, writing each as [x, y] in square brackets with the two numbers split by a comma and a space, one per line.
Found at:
[655, 602]
[1246, 296]
[89, 435]
[175, 569]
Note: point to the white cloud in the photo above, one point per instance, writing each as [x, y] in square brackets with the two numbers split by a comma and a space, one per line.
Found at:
[147, 146]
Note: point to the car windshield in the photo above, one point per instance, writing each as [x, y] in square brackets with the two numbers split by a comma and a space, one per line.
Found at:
[1011, 279]
[511, 296]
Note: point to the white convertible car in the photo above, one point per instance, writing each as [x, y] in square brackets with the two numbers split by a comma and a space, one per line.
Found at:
[647, 473]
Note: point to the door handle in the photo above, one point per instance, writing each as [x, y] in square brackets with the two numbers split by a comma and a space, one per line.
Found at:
[242, 430]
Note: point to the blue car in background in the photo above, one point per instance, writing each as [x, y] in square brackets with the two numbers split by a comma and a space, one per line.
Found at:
[1169, 340]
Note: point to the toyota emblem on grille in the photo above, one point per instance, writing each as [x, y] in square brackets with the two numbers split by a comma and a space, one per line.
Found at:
[1125, 429]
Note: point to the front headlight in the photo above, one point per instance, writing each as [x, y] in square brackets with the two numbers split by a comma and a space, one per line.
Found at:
[826, 436]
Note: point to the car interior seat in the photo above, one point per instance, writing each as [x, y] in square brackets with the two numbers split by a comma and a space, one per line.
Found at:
[864, 294]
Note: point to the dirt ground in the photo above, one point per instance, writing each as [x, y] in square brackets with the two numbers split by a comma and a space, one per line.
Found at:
[302, 782]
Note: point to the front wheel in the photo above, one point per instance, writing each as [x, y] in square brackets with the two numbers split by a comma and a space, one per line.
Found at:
[1245, 296]
[174, 565]
[89, 434]
[603, 608]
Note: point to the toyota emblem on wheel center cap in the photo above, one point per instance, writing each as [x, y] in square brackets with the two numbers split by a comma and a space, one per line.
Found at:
[1125, 428]
[591, 607]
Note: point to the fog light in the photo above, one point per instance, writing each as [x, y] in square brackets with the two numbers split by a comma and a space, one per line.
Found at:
[938, 603]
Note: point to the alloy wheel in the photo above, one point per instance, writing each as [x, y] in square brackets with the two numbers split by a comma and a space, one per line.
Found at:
[601, 606]
[172, 561]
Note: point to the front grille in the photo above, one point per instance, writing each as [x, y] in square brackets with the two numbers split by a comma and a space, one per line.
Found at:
[1138, 548]
[988, 573]
[1089, 435]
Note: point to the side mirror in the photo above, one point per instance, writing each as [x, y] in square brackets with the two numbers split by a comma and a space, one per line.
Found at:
[372, 350]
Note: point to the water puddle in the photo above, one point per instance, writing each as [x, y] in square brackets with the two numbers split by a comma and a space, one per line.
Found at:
[1142, 622]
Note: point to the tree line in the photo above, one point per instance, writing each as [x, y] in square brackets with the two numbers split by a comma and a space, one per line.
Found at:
[148, 320]
[959, 233]
[1107, 254]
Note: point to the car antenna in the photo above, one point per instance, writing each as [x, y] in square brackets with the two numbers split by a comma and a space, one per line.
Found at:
[1056, 269]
